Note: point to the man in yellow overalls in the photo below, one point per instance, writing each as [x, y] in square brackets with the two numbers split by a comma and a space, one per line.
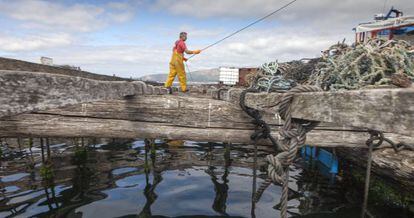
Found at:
[177, 63]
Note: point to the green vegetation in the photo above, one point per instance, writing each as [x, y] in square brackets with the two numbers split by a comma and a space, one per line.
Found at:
[46, 172]
[153, 149]
[382, 191]
[81, 155]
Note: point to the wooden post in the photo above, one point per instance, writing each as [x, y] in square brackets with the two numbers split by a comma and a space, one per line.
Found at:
[48, 150]
[42, 150]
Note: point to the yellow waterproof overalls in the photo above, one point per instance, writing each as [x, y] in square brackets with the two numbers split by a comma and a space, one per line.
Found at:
[177, 69]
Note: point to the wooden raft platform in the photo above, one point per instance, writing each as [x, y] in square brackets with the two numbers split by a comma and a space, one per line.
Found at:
[37, 104]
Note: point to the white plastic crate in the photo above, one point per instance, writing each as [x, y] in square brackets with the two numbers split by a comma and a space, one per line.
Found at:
[229, 76]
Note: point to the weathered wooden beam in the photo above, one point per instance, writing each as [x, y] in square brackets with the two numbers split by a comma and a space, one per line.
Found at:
[22, 91]
[386, 162]
[187, 118]
[63, 126]
[389, 110]
[382, 109]
[172, 117]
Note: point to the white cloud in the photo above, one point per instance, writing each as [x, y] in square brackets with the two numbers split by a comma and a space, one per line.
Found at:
[54, 15]
[30, 43]
[244, 50]
[212, 8]
[301, 8]
[123, 61]
[48, 24]
[195, 32]
[249, 49]
[326, 15]
[122, 11]
[302, 30]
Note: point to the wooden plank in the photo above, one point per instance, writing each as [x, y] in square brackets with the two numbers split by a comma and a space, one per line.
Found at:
[41, 125]
[389, 110]
[22, 91]
[172, 117]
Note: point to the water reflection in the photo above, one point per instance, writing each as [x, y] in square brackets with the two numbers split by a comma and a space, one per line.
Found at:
[149, 190]
[221, 189]
[151, 178]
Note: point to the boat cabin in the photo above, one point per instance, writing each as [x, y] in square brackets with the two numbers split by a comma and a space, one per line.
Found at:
[394, 25]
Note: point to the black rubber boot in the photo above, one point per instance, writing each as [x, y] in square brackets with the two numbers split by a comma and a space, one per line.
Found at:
[169, 90]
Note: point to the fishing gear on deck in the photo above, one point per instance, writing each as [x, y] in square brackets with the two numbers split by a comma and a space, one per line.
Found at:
[373, 63]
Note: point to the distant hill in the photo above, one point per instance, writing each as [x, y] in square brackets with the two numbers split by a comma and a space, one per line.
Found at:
[13, 64]
[201, 76]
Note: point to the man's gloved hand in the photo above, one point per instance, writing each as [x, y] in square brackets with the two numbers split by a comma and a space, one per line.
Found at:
[196, 51]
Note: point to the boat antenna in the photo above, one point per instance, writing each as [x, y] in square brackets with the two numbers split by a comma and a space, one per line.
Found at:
[383, 8]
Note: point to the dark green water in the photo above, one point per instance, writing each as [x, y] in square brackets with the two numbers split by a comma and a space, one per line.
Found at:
[193, 180]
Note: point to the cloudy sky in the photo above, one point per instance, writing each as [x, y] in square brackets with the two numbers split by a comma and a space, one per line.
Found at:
[135, 37]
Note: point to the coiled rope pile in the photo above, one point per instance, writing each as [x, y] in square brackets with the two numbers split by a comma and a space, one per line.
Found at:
[270, 78]
[275, 76]
[376, 62]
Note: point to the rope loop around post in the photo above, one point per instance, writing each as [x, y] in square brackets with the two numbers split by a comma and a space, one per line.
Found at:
[293, 136]
[262, 128]
[376, 138]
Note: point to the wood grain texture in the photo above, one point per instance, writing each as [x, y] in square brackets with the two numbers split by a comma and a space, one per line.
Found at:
[167, 116]
[389, 110]
[31, 91]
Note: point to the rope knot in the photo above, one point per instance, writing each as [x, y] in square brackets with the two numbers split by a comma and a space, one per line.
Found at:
[293, 136]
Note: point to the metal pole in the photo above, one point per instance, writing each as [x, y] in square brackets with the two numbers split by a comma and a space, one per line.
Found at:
[367, 181]
[252, 212]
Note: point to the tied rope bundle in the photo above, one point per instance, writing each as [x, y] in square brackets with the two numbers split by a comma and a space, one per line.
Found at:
[293, 136]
